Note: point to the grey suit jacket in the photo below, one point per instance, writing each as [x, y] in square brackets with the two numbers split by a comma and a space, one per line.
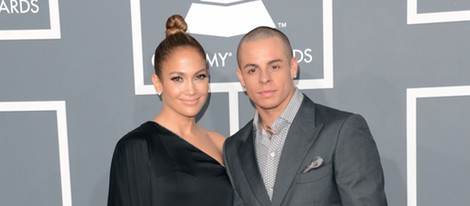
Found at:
[351, 172]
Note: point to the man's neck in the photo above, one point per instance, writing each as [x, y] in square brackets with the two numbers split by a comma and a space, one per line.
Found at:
[268, 116]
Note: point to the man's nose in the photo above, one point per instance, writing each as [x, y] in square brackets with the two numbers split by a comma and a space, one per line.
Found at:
[264, 77]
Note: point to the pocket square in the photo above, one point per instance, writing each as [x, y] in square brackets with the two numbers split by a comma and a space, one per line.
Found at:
[316, 163]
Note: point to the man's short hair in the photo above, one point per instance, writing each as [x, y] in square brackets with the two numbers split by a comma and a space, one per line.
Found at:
[263, 32]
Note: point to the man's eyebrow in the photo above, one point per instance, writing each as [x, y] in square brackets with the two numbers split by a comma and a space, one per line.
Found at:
[275, 61]
[270, 62]
[250, 65]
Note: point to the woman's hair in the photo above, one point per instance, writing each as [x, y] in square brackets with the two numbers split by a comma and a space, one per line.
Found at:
[176, 37]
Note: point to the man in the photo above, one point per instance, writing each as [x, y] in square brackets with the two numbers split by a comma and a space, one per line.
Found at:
[295, 152]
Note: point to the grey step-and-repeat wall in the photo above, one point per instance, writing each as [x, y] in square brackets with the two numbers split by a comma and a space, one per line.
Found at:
[75, 77]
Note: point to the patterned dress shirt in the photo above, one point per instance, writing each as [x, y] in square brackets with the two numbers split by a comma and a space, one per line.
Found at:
[269, 143]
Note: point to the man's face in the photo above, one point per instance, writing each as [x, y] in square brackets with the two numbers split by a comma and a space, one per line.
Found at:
[266, 71]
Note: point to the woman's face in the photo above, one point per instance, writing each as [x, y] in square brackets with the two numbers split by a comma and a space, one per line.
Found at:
[183, 82]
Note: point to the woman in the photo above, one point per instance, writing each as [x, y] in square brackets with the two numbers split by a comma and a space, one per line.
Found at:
[172, 160]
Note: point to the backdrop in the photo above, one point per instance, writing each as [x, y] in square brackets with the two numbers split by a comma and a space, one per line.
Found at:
[75, 77]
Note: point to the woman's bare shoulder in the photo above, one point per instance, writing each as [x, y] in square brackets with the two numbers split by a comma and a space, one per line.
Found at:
[216, 137]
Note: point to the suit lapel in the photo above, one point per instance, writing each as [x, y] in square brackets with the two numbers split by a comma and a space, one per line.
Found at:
[302, 133]
[250, 167]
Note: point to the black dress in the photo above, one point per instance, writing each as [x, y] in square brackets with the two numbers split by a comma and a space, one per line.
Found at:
[152, 166]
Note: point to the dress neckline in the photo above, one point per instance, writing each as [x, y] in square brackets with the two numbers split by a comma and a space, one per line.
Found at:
[186, 142]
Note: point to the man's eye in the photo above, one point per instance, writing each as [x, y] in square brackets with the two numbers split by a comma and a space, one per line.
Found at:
[274, 67]
[252, 70]
[177, 79]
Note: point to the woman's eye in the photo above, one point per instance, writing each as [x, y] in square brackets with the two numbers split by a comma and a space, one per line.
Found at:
[201, 76]
[177, 79]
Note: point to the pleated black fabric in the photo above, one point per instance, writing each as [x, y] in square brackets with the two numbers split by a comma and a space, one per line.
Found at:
[152, 166]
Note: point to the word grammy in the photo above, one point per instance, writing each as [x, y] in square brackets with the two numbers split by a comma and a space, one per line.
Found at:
[218, 59]
[19, 6]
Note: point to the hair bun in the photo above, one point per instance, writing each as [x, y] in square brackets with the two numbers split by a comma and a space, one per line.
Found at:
[175, 24]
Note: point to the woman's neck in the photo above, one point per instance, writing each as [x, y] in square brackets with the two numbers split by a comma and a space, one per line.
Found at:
[183, 126]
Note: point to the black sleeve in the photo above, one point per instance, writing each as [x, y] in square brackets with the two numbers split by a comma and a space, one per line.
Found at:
[129, 182]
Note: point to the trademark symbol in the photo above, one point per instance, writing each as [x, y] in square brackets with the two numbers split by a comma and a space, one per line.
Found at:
[281, 24]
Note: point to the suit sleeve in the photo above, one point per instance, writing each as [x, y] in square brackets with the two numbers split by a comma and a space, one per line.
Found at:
[358, 170]
[129, 182]
[237, 201]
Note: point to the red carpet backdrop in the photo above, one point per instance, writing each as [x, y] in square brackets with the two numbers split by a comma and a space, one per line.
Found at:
[75, 77]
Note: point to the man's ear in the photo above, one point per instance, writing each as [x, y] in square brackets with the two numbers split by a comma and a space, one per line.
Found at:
[294, 67]
[157, 84]
[240, 77]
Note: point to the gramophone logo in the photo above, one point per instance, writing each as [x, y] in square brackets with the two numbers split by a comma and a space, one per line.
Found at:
[225, 18]
[217, 24]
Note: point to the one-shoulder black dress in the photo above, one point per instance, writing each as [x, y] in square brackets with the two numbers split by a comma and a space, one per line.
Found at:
[152, 166]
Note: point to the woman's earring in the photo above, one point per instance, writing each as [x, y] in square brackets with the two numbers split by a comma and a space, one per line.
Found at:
[159, 93]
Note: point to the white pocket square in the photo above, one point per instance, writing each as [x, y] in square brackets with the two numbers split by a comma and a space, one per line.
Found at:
[314, 164]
